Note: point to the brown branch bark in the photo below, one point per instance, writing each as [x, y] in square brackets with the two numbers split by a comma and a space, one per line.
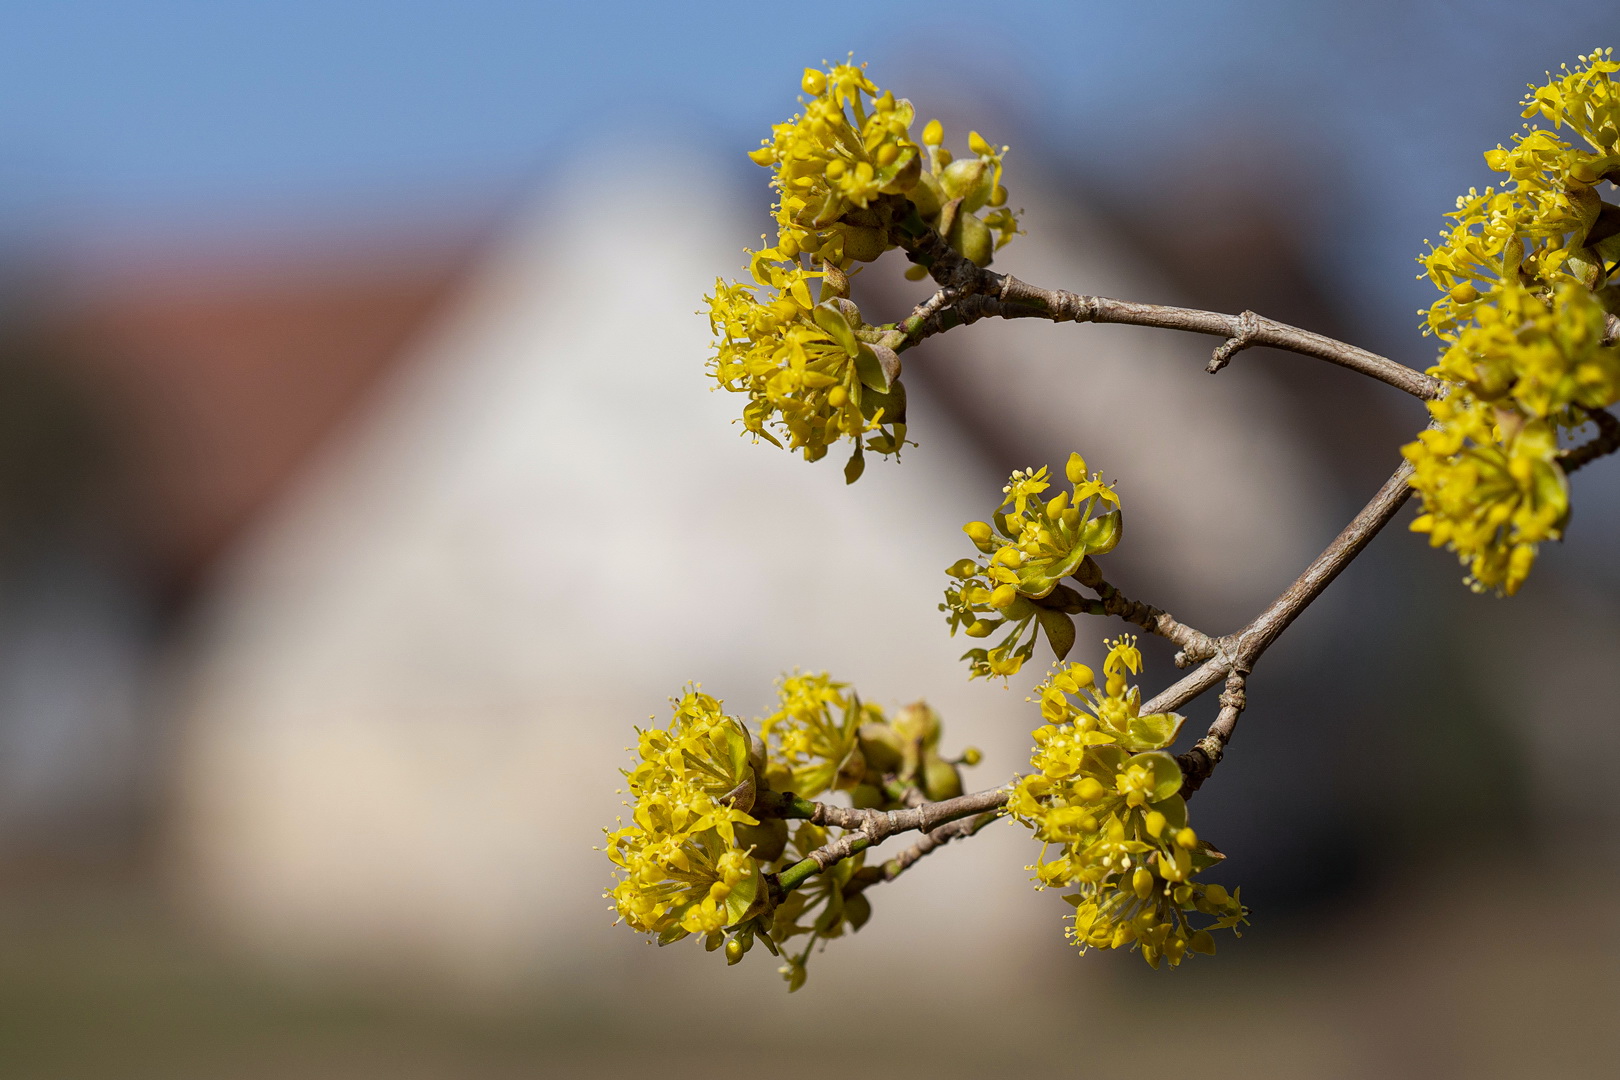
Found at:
[930, 842]
[1195, 644]
[976, 293]
[1607, 441]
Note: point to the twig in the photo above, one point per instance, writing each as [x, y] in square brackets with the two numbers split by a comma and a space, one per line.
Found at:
[1248, 327]
[1238, 653]
[868, 827]
[959, 829]
[1607, 441]
[982, 293]
[1200, 761]
[1195, 644]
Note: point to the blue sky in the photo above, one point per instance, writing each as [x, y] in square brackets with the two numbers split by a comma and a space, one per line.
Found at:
[149, 115]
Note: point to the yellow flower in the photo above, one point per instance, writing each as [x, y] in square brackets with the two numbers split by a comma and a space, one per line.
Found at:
[1104, 799]
[848, 179]
[815, 729]
[1033, 544]
[1520, 273]
[684, 868]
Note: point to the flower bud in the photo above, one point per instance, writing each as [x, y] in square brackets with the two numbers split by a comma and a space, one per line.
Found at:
[1186, 839]
[971, 237]
[882, 746]
[861, 243]
[933, 133]
[1010, 557]
[886, 154]
[940, 778]
[977, 144]
[1155, 824]
[1075, 470]
[978, 629]
[768, 839]
[1003, 595]
[814, 82]
[1142, 883]
[734, 951]
[866, 796]
[917, 723]
[1463, 292]
[926, 196]
[837, 396]
[978, 532]
[765, 155]
[971, 756]
[998, 197]
[1089, 789]
[916, 272]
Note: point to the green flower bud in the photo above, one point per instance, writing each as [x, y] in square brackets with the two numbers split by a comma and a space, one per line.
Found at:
[866, 797]
[919, 724]
[971, 237]
[768, 839]
[941, 779]
[927, 197]
[882, 746]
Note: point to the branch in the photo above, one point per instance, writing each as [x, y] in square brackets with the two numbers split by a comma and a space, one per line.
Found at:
[1256, 638]
[1200, 761]
[959, 829]
[1236, 654]
[1606, 442]
[870, 827]
[1195, 644]
[978, 293]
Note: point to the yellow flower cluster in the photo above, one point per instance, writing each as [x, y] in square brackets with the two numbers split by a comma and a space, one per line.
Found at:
[1029, 545]
[687, 869]
[823, 739]
[1104, 799]
[1524, 274]
[707, 833]
[848, 179]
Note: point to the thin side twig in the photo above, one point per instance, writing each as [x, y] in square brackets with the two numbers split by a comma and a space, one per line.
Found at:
[933, 841]
[1200, 761]
[1607, 441]
[869, 827]
[1195, 644]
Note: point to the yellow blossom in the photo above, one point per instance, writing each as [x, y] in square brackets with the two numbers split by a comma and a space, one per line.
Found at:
[1030, 545]
[1104, 799]
[1524, 274]
[849, 180]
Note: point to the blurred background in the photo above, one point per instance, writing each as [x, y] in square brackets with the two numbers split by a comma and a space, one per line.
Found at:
[360, 488]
